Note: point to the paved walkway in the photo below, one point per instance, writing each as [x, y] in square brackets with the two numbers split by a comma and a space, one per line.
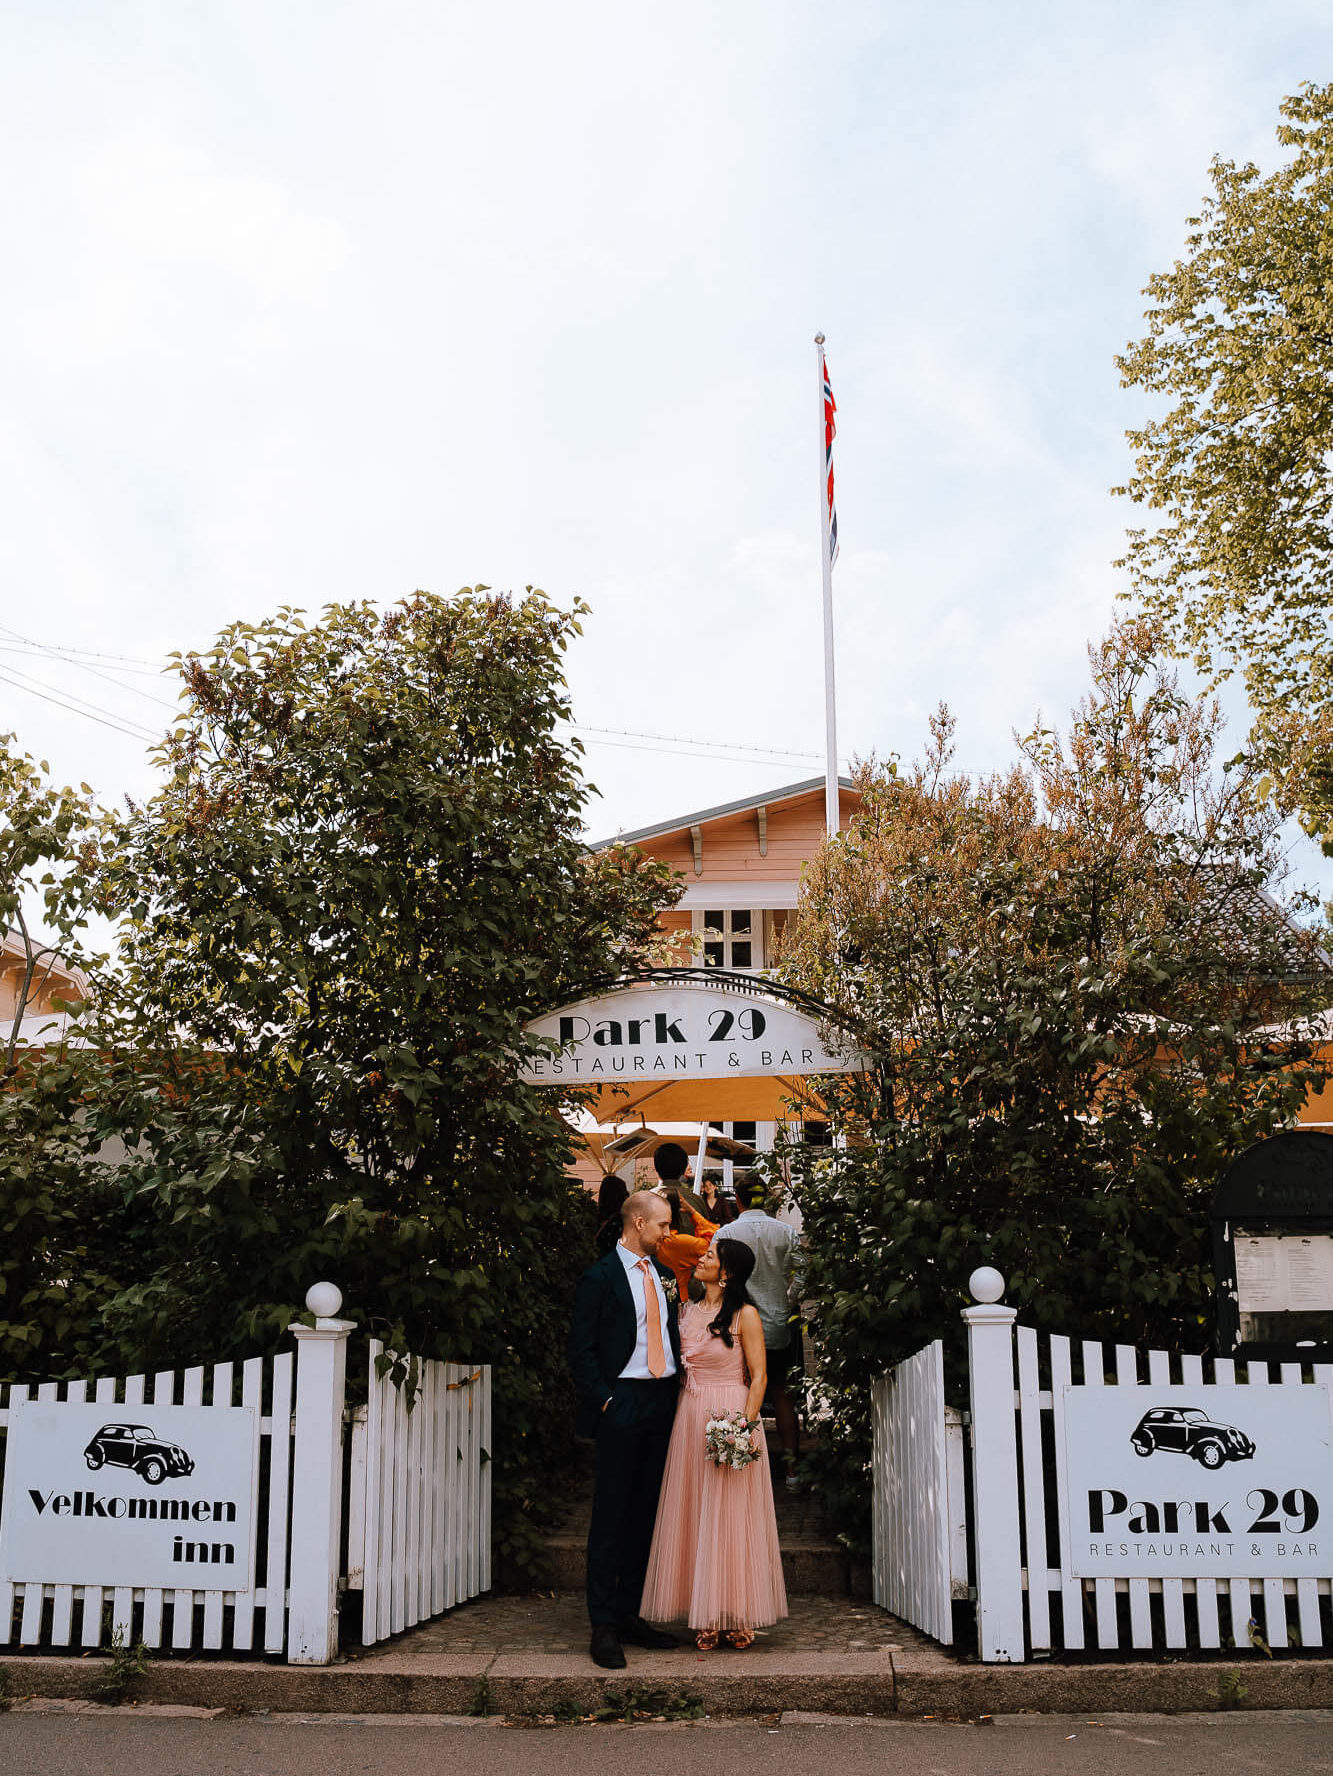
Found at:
[557, 1622]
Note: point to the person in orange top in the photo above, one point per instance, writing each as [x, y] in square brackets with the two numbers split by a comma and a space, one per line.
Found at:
[680, 1250]
[687, 1239]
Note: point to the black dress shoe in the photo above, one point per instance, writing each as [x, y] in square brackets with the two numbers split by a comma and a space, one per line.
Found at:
[606, 1649]
[642, 1634]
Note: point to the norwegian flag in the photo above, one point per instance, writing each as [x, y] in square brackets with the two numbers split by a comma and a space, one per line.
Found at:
[830, 433]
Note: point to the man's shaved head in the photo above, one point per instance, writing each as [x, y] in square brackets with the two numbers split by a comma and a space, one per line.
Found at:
[644, 1219]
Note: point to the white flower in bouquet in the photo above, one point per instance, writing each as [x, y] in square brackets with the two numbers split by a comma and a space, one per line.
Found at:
[730, 1441]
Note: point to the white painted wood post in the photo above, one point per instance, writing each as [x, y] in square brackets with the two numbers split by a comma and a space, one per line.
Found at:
[321, 1373]
[999, 1556]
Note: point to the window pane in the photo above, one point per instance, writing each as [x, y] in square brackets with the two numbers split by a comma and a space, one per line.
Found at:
[740, 954]
[740, 920]
[744, 1131]
[713, 955]
[715, 921]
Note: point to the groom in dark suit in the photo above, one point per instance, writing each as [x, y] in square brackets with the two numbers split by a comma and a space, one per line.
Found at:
[624, 1351]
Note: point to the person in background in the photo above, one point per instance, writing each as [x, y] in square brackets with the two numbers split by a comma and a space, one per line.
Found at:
[610, 1201]
[688, 1239]
[719, 1208]
[774, 1245]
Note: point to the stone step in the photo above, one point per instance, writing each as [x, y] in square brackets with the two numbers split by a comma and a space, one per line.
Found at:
[818, 1568]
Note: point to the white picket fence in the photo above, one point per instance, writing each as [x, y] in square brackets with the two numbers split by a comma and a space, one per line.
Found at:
[415, 1541]
[88, 1615]
[917, 1493]
[1139, 1613]
[1008, 1549]
[419, 1512]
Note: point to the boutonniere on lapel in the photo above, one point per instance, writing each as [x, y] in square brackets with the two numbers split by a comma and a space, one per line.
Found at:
[671, 1291]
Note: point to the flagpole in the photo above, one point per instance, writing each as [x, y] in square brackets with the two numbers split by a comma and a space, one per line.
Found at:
[831, 809]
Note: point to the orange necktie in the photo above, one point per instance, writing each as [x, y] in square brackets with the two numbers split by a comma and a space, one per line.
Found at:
[652, 1319]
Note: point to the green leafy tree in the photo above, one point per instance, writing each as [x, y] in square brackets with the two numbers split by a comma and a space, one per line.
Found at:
[1237, 566]
[1059, 974]
[53, 1263]
[363, 872]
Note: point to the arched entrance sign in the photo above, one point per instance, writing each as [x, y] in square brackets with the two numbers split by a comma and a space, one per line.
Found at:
[686, 1044]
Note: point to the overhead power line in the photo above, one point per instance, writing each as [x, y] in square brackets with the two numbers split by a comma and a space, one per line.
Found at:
[90, 712]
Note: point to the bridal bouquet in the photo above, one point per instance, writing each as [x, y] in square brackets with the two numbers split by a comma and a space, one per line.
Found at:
[729, 1441]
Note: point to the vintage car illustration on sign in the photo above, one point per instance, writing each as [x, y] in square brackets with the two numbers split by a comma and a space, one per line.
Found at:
[1188, 1430]
[138, 1447]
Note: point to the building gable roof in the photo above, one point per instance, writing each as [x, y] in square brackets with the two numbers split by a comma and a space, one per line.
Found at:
[789, 792]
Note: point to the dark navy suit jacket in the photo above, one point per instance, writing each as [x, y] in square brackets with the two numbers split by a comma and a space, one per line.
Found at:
[601, 1339]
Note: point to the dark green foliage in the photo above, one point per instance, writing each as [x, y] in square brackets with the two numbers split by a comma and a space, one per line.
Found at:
[1059, 975]
[362, 874]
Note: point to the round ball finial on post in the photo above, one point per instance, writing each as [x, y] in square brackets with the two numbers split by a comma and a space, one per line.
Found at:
[324, 1300]
[985, 1285]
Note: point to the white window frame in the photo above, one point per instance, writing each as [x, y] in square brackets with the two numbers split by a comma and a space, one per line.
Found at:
[754, 936]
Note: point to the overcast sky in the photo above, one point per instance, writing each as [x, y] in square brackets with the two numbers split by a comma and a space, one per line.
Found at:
[316, 301]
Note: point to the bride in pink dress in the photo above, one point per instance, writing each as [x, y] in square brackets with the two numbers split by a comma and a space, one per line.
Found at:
[715, 1558]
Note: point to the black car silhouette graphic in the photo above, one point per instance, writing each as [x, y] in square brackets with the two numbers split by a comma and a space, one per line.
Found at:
[140, 1448]
[1188, 1430]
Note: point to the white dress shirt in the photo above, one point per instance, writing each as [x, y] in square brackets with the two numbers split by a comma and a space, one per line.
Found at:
[775, 1246]
[637, 1368]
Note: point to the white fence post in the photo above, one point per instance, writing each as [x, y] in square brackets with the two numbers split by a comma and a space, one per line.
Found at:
[999, 1557]
[317, 1474]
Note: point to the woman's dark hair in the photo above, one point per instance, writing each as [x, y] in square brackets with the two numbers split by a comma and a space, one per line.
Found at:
[673, 1202]
[611, 1198]
[737, 1261]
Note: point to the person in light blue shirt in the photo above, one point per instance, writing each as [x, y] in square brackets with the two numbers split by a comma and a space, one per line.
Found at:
[775, 1247]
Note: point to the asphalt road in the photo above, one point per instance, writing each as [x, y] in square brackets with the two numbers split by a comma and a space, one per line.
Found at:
[128, 1743]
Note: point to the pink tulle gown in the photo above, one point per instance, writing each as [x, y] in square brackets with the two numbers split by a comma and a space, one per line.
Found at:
[715, 1558]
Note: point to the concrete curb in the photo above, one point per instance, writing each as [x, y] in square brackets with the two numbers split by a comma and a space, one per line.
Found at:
[905, 1682]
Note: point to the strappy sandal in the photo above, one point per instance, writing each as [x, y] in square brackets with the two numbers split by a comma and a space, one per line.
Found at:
[739, 1638]
[706, 1640]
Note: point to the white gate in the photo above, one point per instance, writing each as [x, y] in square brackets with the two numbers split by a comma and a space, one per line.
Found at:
[90, 1615]
[917, 1494]
[1030, 1596]
[419, 1518]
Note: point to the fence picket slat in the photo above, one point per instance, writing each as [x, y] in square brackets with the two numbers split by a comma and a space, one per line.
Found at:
[426, 1561]
[384, 1603]
[439, 1559]
[1307, 1590]
[1274, 1624]
[104, 1391]
[1034, 1490]
[17, 1391]
[448, 1473]
[1108, 1632]
[1205, 1590]
[279, 1493]
[1173, 1590]
[30, 1626]
[243, 1607]
[1140, 1612]
[62, 1602]
[183, 1602]
[484, 1471]
[398, 1610]
[1071, 1590]
[371, 1551]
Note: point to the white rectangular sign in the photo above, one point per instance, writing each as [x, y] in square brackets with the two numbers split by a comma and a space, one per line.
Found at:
[1199, 1482]
[687, 1031]
[130, 1495]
